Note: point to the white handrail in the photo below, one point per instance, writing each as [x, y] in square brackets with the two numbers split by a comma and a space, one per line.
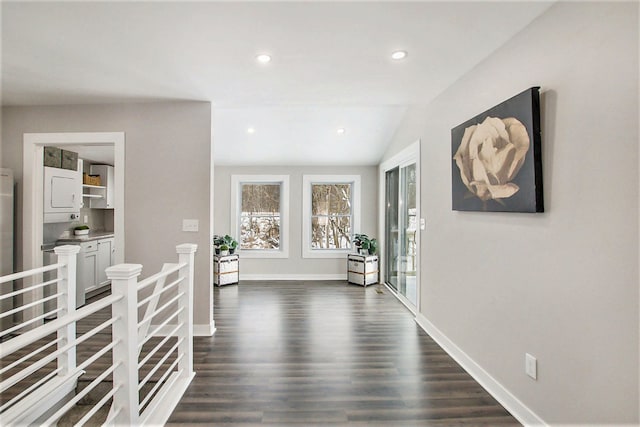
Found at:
[30, 389]
[158, 365]
[70, 404]
[97, 407]
[42, 362]
[31, 304]
[172, 268]
[30, 288]
[32, 272]
[156, 294]
[49, 328]
[30, 321]
[161, 381]
[160, 310]
[28, 356]
[158, 347]
[97, 355]
[158, 328]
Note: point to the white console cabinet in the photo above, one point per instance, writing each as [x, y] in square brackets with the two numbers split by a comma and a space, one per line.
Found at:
[362, 269]
[226, 269]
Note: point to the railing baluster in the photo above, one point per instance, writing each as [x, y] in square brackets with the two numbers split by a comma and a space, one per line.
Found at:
[124, 279]
[186, 254]
[66, 286]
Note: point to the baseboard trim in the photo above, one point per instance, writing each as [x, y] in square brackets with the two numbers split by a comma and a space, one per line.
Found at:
[204, 330]
[250, 277]
[518, 409]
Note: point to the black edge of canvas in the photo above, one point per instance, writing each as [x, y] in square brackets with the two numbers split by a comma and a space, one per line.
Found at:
[537, 147]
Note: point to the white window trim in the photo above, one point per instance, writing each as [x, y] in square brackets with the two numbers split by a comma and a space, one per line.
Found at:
[236, 193]
[307, 181]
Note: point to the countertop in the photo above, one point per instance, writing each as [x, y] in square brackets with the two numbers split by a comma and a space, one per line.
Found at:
[93, 235]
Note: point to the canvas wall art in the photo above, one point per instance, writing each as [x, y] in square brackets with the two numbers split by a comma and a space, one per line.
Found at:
[496, 158]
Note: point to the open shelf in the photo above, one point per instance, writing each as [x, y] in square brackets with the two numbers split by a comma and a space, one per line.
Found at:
[101, 187]
[93, 196]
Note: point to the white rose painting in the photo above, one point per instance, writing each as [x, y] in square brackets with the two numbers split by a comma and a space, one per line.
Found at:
[496, 158]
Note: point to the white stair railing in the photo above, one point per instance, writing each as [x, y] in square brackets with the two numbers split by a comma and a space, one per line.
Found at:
[147, 333]
[32, 386]
[142, 333]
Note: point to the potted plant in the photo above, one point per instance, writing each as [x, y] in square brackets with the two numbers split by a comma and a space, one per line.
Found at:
[231, 242]
[222, 243]
[224, 250]
[217, 241]
[365, 245]
[373, 246]
[81, 230]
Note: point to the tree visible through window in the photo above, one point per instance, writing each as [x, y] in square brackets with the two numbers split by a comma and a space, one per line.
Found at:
[260, 216]
[331, 216]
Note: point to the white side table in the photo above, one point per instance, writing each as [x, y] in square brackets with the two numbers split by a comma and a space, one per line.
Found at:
[226, 269]
[362, 269]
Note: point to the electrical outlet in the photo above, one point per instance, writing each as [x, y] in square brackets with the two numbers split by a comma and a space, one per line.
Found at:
[190, 225]
[531, 366]
[86, 219]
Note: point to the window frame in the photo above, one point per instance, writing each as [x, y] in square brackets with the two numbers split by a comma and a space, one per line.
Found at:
[307, 214]
[236, 210]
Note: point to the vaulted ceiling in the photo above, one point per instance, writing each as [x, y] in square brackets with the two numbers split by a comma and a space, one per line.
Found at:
[330, 68]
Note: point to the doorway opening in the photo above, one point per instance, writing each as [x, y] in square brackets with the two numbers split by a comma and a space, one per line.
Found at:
[33, 206]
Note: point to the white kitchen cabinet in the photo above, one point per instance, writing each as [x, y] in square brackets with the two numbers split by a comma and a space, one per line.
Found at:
[362, 269]
[92, 192]
[94, 258]
[87, 278]
[107, 181]
[105, 260]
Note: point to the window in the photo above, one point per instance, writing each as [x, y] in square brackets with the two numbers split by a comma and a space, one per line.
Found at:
[260, 214]
[331, 214]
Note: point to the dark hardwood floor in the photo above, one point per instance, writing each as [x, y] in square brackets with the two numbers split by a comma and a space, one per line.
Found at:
[326, 353]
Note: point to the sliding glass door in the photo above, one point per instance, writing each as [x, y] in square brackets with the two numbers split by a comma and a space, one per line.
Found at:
[407, 235]
[400, 249]
[391, 223]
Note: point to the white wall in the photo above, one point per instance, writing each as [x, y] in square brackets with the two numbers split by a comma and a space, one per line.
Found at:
[167, 164]
[295, 265]
[562, 285]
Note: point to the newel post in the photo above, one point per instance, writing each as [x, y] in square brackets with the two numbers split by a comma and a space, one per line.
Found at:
[186, 254]
[67, 303]
[124, 281]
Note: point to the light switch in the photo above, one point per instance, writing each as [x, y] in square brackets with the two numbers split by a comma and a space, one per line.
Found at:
[423, 223]
[531, 366]
[190, 225]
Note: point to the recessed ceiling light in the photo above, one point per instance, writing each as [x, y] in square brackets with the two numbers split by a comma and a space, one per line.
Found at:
[399, 54]
[263, 58]
[340, 131]
[251, 130]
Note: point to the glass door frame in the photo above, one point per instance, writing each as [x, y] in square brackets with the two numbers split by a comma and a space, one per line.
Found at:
[406, 157]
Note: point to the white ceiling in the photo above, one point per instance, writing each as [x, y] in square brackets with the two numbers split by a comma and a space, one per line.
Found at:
[331, 65]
